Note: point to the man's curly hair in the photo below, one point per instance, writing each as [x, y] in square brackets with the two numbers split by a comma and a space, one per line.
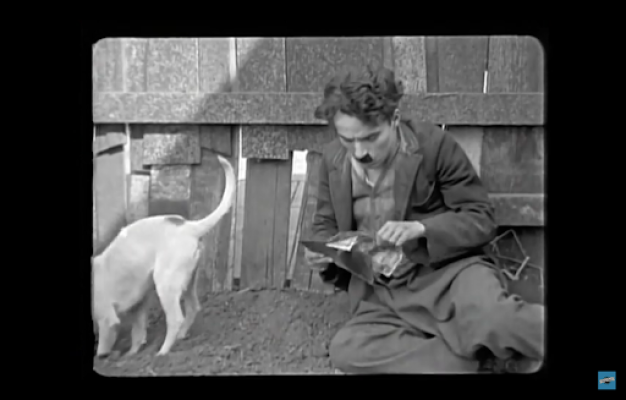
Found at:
[371, 95]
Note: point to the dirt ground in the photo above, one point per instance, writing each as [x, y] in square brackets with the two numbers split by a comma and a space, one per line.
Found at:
[252, 332]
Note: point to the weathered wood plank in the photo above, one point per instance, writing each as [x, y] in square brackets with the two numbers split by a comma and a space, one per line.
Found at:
[311, 138]
[171, 144]
[300, 277]
[304, 278]
[275, 141]
[530, 285]
[297, 191]
[513, 160]
[264, 142]
[462, 63]
[237, 236]
[136, 56]
[172, 65]
[95, 207]
[519, 209]
[138, 197]
[170, 190]
[409, 59]
[109, 185]
[432, 64]
[107, 65]
[261, 65]
[115, 136]
[471, 140]
[261, 68]
[516, 65]
[266, 223]
[313, 62]
[217, 138]
[388, 61]
[136, 149]
[236, 217]
[207, 190]
[297, 108]
[214, 72]
[313, 280]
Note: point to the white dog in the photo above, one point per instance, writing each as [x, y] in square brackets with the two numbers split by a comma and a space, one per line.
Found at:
[156, 252]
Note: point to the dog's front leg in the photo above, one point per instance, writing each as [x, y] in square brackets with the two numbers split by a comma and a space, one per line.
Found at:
[107, 335]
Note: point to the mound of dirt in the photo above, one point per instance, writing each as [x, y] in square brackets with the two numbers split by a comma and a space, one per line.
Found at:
[253, 332]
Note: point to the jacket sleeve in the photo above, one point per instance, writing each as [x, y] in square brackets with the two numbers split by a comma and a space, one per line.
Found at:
[470, 221]
[324, 222]
[325, 226]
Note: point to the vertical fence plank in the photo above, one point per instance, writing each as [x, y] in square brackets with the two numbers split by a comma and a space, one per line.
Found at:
[137, 206]
[302, 275]
[107, 65]
[513, 157]
[94, 197]
[172, 65]
[513, 160]
[170, 190]
[207, 189]
[458, 65]
[136, 149]
[307, 278]
[261, 67]
[462, 62]
[312, 62]
[409, 60]
[236, 217]
[516, 65]
[297, 193]
[266, 223]
[110, 182]
[170, 151]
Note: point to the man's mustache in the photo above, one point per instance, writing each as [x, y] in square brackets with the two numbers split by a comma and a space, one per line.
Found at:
[366, 159]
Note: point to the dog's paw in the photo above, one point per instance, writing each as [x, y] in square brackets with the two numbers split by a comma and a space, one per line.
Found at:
[113, 355]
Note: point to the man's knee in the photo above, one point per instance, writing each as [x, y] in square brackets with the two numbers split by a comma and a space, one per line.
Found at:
[340, 352]
[478, 288]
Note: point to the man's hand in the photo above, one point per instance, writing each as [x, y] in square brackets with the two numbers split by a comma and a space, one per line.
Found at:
[316, 260]
[398, 232]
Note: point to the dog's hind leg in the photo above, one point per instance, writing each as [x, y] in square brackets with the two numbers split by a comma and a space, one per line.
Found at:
[192, 305]
[172, 276]
[170, 300]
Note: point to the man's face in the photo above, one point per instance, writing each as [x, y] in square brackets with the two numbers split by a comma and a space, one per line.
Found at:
[369, 145]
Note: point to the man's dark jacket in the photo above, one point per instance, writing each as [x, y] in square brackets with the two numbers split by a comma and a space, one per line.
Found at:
[435, 183]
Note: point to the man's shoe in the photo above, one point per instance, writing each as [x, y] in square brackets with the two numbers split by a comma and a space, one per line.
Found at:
[512, 365]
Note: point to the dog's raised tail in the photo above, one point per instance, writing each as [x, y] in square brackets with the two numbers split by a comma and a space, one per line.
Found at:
[201, 227]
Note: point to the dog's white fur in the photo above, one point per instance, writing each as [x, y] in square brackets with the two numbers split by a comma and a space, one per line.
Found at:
[158, 252]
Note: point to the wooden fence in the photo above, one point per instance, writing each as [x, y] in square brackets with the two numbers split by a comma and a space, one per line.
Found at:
[162, 108]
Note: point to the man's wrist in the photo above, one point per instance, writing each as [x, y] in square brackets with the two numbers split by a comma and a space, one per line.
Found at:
[421, 229]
